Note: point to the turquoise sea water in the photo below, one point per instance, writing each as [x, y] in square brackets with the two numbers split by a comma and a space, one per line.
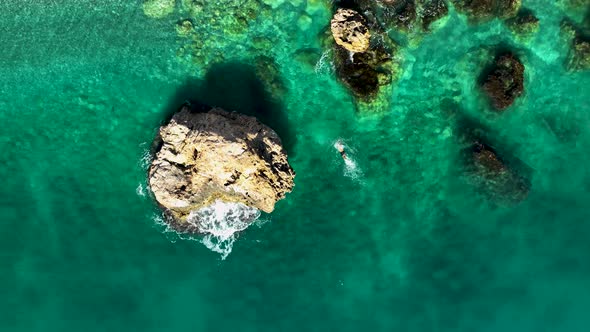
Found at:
[400, 243]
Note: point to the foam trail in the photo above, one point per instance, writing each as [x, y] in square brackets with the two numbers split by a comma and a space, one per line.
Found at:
[351, 169]
[219, 223]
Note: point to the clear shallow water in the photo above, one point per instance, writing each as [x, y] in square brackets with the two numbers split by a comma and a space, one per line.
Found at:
[406, 245]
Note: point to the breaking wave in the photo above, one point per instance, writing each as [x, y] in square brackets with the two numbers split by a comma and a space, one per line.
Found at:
[219, 223]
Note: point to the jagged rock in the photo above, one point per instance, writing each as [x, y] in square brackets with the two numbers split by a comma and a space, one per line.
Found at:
[218, 155]
[432, 11]
[488, 172]
[158, 8]
[488, 9]
[349, 29]
[524, 24]
[504, 81]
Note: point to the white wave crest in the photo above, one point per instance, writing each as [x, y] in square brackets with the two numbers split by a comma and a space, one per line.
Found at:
[219, 223]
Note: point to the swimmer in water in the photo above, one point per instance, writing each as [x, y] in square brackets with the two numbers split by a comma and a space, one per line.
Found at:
[340, 149]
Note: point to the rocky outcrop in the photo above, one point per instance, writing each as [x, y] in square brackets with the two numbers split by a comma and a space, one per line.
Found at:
[504, 81]
[481, 10]
[218, 155]
[158, 8]
[349, 29]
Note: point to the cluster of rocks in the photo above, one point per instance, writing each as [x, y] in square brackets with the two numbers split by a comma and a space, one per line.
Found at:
[364, 60]
[217, 156]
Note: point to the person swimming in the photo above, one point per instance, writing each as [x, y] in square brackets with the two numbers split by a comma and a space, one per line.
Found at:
[340, 149]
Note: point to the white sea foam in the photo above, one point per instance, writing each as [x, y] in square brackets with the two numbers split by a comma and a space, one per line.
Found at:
[140, 190]
[324, 64]
[146, 157]
[351, 168]
[219, 223]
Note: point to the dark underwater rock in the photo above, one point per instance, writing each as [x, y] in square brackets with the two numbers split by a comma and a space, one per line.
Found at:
[579, 58]
[504, 81]
[432, 11]
[524, 24]
[487, 9]
[268, 72]
[579, 39]
[490, 173]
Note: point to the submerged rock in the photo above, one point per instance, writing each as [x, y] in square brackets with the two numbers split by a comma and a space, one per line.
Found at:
[490, 173]
[184, 27]
[432, 11]
[218, 156]
[349, 29]
[158, 8]
[399, 13]
[488, 9]
[579, 39]
[504, 81]
[524, 24]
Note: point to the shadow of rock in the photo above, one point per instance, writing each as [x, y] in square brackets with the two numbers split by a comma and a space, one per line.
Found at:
[241, 88]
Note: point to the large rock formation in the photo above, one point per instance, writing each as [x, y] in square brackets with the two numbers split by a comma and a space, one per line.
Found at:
[350, 30]
[504, 82]
[218, 155]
